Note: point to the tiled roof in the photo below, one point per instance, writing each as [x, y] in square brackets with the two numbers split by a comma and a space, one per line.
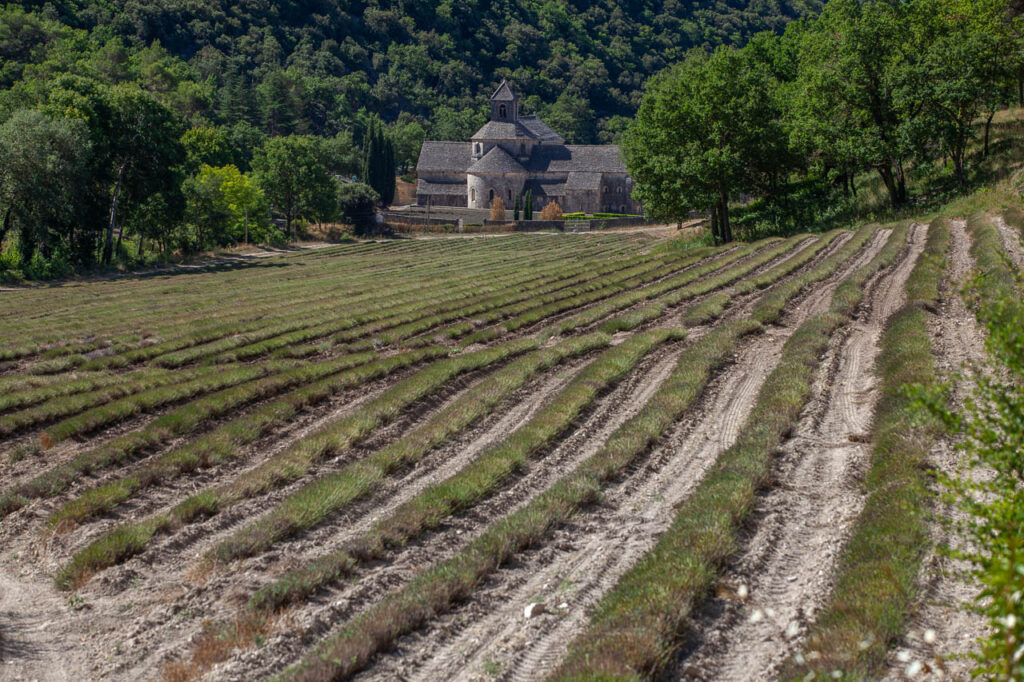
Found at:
[496, 160]
[545, 188]
[502, 130]
[581, 180]
[541, 130]
[445, 188]
[503, 93]
[445, 156]
[578, 158]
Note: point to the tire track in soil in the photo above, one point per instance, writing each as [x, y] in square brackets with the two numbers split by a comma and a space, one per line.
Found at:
[161, 595]
[320, 614]
[169, 568]
[1011, 240]
[958, 344]
[155, 583]
[404, 565]
[587, 557]
[800, 525]
[153, 586]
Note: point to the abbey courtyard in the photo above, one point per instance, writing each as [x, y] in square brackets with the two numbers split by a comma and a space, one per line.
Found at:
[513, 154]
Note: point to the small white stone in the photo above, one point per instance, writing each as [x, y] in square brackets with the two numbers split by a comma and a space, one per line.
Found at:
[564, 605]
[793, 630]
[757, 616]
[742, 592]
[903, 656]
[914, 669]
[533, 610]
[929, 636]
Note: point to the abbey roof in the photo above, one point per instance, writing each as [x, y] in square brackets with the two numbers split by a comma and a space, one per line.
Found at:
[496, 160]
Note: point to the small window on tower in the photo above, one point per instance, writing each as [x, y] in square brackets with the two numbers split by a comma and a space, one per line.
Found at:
[472, 194]
[510, 195]
[502, 110]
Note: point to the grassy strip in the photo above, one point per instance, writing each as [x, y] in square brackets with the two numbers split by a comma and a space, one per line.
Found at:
[997, 276]
[493, 306]
[423, 313]
[633, 286]
[879, 567]
[68, 385]
[63, 405]
[436, 591]
[476, 481]
[636, 625]
[630, 298]
[770, 308]
[148, 401]
[129, 539]
[715, 304]
[190, 417]
[324, 496]
[226, 442]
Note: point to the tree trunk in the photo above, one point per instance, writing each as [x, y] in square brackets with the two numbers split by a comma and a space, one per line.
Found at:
[138, 253]
[890, 184]
[988, 129]
[5, 227]
[714, 225]
[901, 183]
[108, 246]
[246, 224]
[853, 183]
[1020, 89]
[723, 219]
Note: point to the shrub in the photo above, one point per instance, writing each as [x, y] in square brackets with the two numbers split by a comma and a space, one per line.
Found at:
[357, 205]
[497, 209]
[551, 212]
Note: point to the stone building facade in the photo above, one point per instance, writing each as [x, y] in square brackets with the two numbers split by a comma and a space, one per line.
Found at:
[513, 154]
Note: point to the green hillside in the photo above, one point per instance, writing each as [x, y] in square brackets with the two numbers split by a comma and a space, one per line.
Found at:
[314, 66]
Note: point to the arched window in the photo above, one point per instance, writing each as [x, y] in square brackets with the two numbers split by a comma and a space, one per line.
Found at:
[510, 195]
[491, 197]
[618, 190]
[472, 194]
[477, 146]
[501, 111]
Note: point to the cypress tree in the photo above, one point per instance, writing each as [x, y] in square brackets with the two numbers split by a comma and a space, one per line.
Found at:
[389, 170]
[515, 211]
[528, 208]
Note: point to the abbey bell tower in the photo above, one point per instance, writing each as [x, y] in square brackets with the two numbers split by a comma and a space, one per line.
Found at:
[504, 104]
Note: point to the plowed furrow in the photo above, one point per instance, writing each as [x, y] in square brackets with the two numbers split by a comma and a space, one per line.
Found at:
[603, 543]
[1011, 240]
[959, 346]
[786, 566]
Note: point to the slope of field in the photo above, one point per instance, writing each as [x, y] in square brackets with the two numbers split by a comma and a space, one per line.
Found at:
[369, 459]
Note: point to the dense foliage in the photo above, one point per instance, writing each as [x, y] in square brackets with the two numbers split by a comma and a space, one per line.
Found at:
[882, 86]
[128, 122]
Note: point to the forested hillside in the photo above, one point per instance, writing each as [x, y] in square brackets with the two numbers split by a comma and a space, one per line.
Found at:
[130, 129]
[314, 66]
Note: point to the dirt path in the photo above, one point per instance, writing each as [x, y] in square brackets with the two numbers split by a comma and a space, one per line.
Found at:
[1011, 239]
[36, 627]
[489, 638]
[785, 570]
[958, 344]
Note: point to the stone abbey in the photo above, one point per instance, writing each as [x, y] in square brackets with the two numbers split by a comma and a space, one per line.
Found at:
[513, 154]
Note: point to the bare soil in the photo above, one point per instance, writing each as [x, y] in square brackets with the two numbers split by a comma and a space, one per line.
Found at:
[132, 619]
[943, 629]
